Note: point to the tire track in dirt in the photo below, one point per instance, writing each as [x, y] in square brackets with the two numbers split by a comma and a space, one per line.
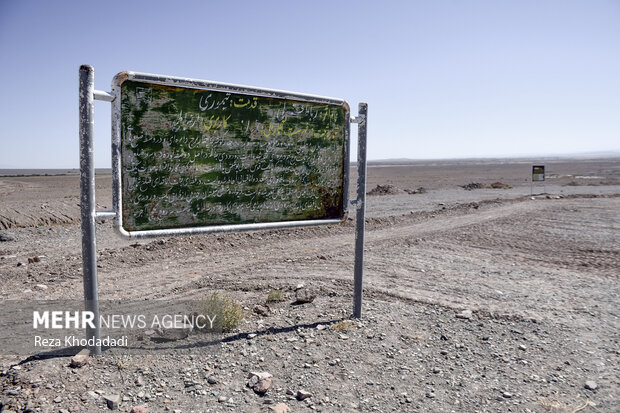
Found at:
[485, 259]
[420, 262]
[292, 250]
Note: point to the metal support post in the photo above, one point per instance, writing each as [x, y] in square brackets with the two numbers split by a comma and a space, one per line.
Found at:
[87, 202]
[360, 209]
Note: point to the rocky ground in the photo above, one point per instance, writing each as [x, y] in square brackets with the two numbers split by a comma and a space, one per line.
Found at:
[479, 300]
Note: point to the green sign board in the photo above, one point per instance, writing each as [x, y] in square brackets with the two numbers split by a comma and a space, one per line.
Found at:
[538, 173]
[196, 157]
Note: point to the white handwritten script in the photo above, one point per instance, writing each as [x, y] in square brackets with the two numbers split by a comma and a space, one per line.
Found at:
[193, 157]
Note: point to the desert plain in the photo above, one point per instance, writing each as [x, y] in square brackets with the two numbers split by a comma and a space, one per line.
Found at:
[496, 298]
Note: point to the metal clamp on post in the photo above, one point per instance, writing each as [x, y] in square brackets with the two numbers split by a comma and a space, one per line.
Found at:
[101, 95]
[358, 119]
[100, 215]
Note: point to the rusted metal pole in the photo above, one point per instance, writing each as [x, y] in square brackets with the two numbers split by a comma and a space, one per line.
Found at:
[87, 203]
[360, 210]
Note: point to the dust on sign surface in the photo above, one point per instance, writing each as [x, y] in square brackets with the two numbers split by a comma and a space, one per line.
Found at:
[195, 157]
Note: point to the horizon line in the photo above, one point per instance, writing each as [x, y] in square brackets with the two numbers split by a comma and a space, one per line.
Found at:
[577, 155]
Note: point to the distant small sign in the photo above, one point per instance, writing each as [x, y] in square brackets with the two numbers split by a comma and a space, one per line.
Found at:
[538, 173]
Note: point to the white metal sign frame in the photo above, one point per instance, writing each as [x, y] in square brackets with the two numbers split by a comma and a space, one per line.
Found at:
[219, 87]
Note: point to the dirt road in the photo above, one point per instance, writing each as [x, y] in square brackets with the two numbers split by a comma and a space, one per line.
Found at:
[474, 301]
[540, 277]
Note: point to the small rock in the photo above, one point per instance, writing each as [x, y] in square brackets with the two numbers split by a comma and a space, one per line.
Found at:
[212, 380]
[299, 286]
[261, 310]
[436, 370]
[522, 347]
[590, 385]
[465, 314]
[222, 399]
[321, 327]
[303, 395]
[6, 236]
[34, 259]
[58, 399]
[113, 401]
[506, 395]
[172, 334]
[41, 287]
[139, 409]
[304, 295]
[430, 395]
[260, 382]
[80, 359]
[140, 381]
[280, 408]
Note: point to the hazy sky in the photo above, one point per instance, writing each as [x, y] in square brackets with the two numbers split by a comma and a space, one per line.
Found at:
[443, 79]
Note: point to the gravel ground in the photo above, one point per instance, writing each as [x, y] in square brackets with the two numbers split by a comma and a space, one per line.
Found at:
[490, 302]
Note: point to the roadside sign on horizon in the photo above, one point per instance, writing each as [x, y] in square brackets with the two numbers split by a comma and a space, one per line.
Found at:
[538, 173]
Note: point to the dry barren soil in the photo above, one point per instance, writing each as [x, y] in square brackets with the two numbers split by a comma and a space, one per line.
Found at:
[483, 300]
